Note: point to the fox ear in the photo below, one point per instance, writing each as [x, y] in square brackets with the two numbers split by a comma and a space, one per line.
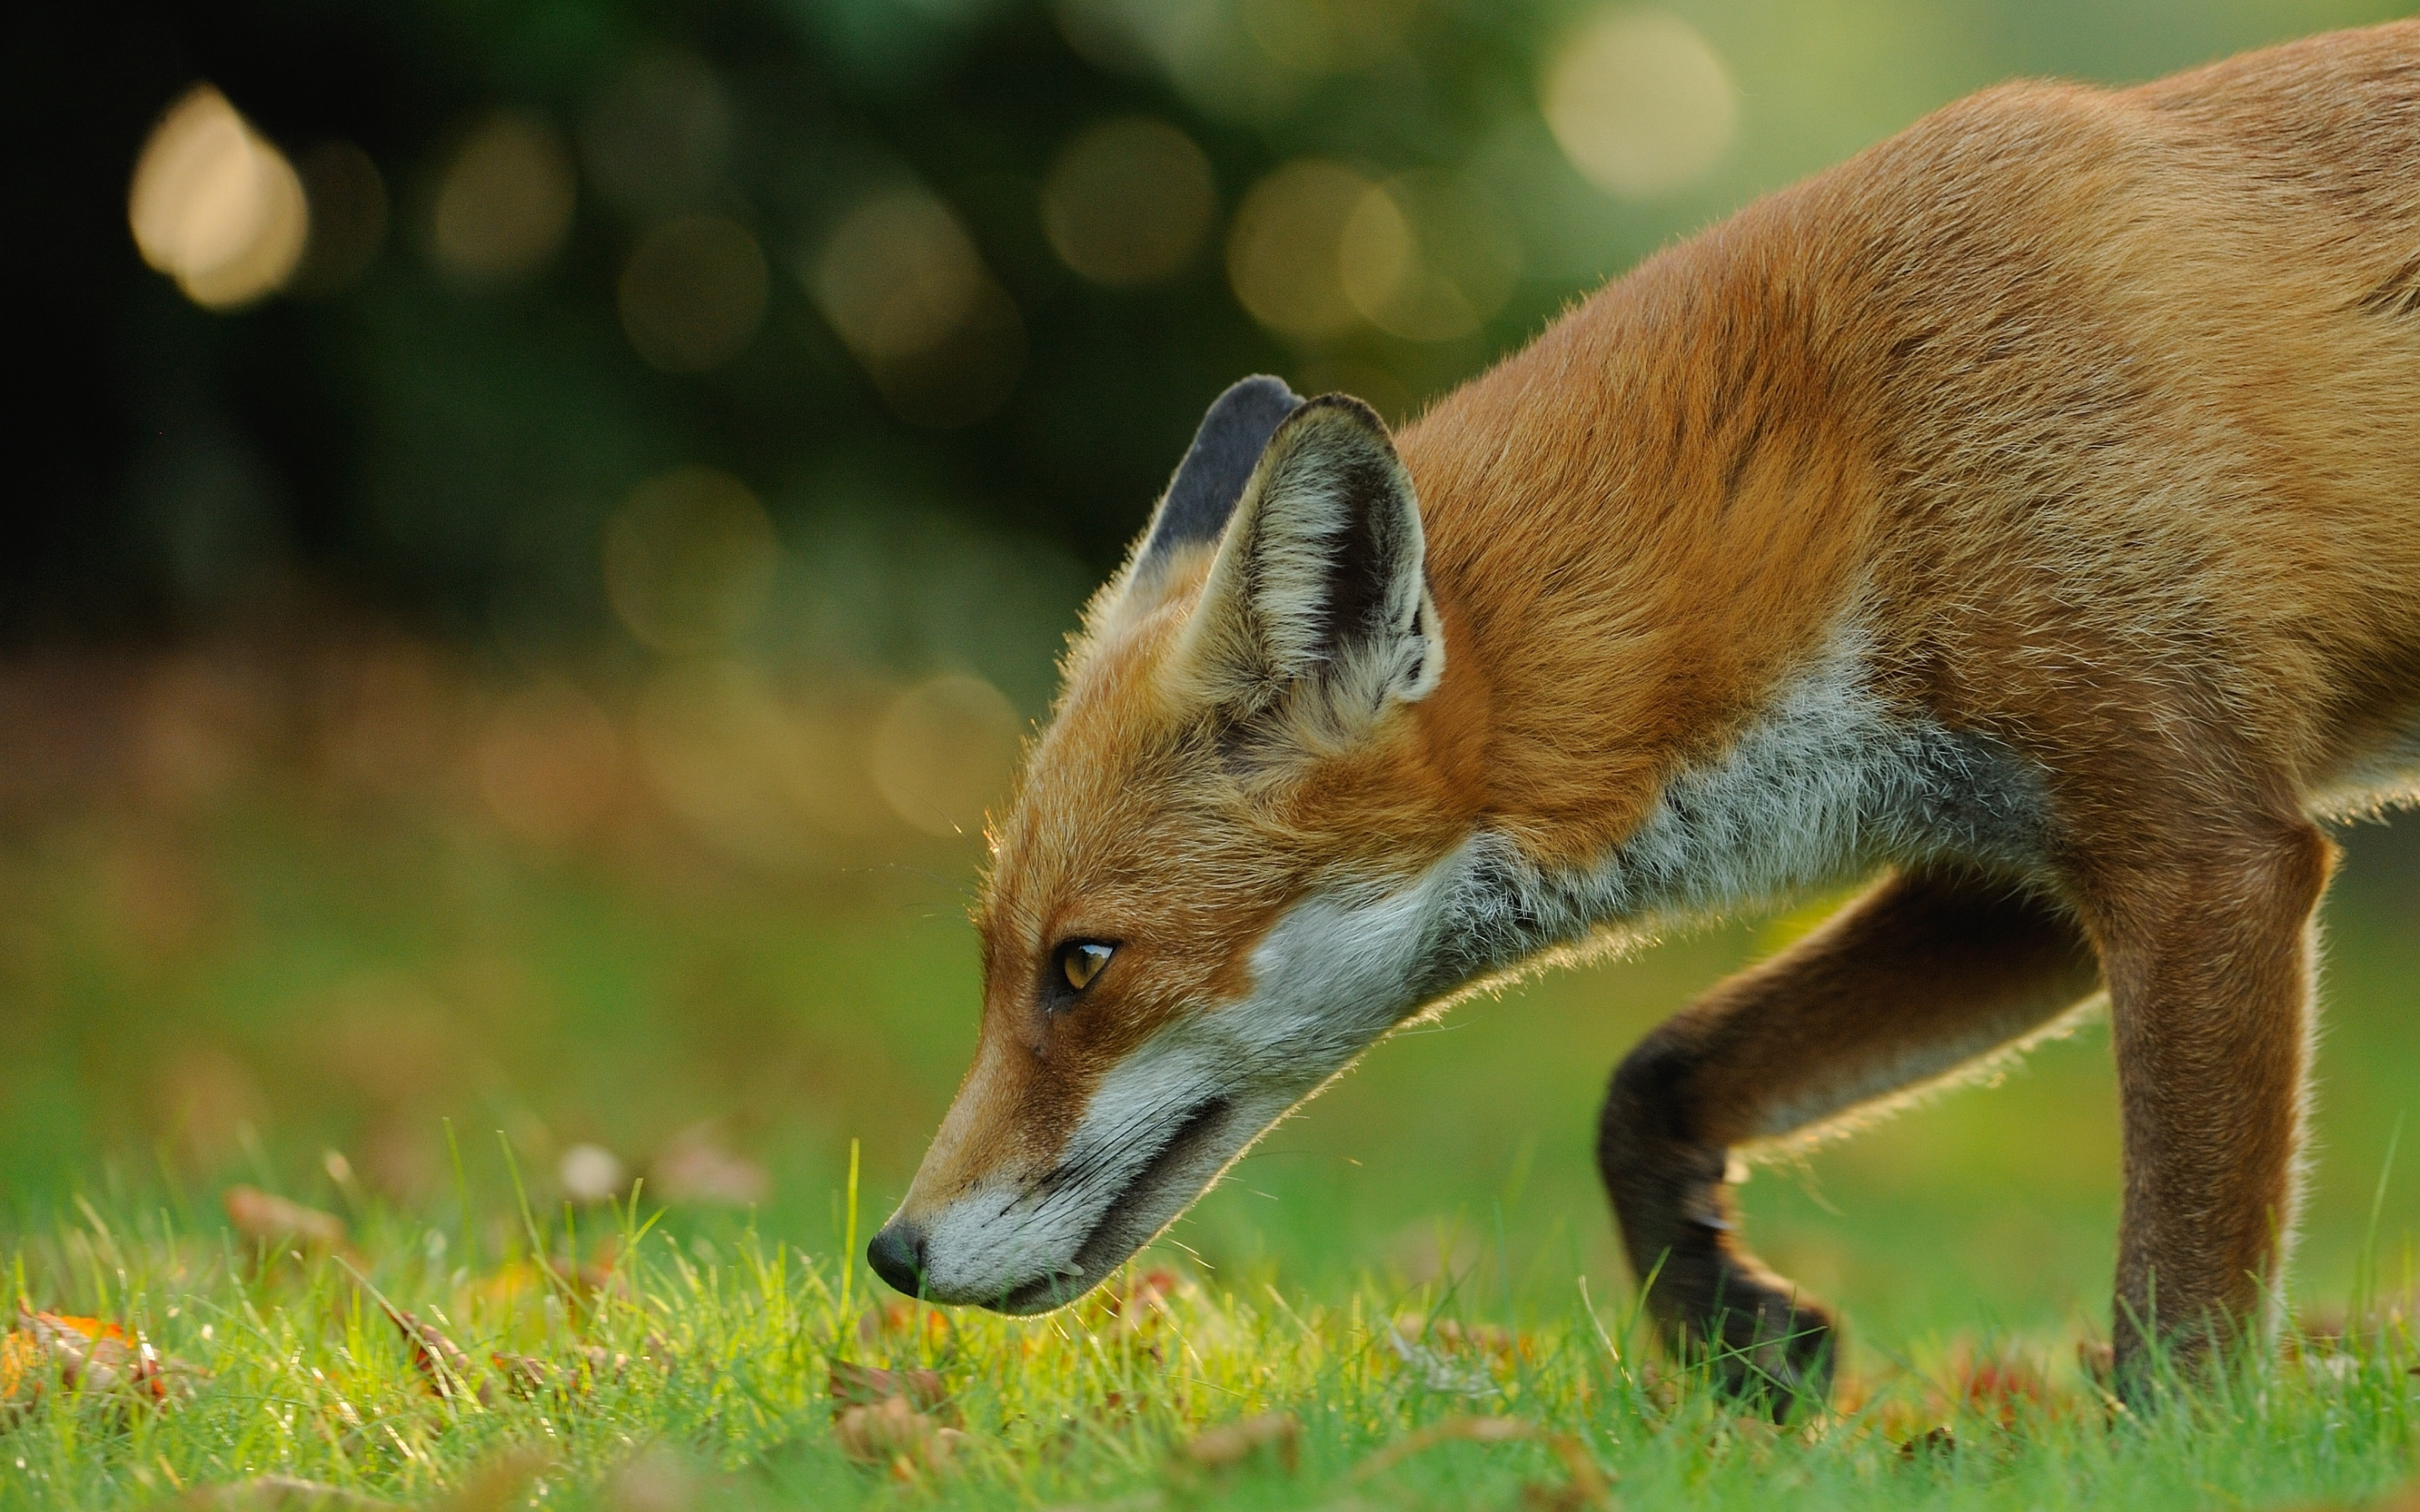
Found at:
[1202, 495]
[1319, 581]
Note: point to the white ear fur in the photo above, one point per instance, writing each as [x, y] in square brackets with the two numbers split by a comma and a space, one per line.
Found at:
[1320, 580]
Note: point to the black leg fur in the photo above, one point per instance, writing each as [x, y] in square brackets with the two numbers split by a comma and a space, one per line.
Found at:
[1713, 1300]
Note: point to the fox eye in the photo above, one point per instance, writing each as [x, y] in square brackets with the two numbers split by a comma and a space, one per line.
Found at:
[1081, 961]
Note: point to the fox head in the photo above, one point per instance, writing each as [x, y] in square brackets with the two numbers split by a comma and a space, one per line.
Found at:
[1207, 897]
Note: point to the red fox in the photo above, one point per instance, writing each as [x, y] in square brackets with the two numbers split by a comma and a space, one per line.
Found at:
[2024, 514]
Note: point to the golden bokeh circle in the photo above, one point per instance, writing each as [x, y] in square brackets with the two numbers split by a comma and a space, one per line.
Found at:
[1128, 201]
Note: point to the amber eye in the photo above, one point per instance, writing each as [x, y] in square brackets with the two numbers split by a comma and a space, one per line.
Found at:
[1081, 961]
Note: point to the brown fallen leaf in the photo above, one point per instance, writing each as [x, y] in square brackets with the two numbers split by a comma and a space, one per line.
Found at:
[1932, 1443]
[862, 1385]
[1232, 1444]
[277, 1222]
[528, 1376]
[81, 1354]
[440, 1361]
[2005, 1390]
[1587, 1484]
[891, 1434]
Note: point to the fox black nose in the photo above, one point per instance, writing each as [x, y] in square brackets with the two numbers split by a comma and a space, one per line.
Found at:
[898, 1256]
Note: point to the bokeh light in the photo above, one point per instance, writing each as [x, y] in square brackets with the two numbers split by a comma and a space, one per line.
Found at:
[945, 751]
[1639, 102]
[689, 559]
[590, 1174]
[1285, 251]
[214, 205]
[1428, 256]
[657, 136]
[1128, 201]
[694, 293]
[505, 202]
[897, 275]
[902, 284]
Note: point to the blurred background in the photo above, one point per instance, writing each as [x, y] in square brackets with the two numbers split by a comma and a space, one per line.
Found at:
[536, 529]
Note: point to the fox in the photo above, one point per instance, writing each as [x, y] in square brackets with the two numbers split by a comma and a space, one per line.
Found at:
[2019, 521]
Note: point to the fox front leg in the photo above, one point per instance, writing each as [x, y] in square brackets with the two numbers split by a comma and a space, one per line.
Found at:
[1923, 974]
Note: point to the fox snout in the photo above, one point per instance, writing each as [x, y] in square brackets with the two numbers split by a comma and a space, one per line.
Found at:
[1026, 1241]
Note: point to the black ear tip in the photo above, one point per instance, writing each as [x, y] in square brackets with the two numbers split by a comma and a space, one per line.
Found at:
[1212, 476]
[1248, 400]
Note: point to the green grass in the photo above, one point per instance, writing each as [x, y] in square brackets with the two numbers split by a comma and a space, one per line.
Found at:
[722, 1394]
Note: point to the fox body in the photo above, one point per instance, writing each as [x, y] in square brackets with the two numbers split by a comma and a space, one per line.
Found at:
[2022, 515]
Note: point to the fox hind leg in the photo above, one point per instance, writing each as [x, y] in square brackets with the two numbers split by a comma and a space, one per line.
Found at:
[2209, 961]
[1923, 973]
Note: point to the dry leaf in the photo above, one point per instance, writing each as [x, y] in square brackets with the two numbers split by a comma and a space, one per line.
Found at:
[860, 1385]
[895, 1435]
[1932, 1443]
[1999, 1388]
[83, 1354]
[268, 1219]
[440, 1361]
[1232, 1444]
[527, 1376]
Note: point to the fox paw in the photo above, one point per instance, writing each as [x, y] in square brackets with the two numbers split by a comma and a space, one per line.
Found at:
[1761, 1344]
